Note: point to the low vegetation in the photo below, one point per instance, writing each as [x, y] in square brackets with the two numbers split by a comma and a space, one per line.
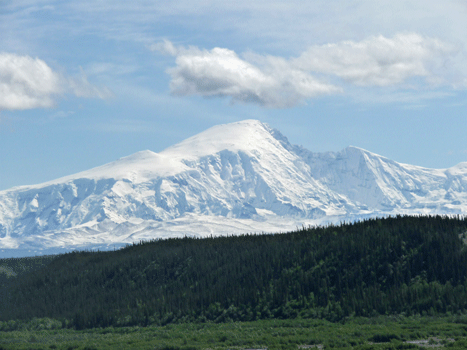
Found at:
[382, 332]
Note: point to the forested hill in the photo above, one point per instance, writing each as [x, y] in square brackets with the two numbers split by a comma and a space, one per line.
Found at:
[379, 266]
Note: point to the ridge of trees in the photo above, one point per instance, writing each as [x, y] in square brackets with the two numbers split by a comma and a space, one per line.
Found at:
[396, 265]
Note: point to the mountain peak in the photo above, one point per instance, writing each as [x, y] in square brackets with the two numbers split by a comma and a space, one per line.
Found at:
[141, 154]
[246, 135]
[354, 151]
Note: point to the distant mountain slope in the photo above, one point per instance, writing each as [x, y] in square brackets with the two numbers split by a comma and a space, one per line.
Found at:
[233, 178]
[382, 184]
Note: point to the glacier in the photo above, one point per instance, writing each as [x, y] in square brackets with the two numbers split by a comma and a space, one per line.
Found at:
[243, 177]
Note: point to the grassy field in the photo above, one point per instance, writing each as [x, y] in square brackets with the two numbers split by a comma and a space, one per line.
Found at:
[358, 333]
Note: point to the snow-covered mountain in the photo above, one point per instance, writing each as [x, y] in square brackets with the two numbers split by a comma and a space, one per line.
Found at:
[234, 178]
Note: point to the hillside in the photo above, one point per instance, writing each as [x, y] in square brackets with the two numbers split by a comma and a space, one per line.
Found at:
[409, 265]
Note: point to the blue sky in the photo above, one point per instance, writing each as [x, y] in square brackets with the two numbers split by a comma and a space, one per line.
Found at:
[83, 83]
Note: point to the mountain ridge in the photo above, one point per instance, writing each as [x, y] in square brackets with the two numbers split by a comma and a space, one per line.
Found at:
[232, 178]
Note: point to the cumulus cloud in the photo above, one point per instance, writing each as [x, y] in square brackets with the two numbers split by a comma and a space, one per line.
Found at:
[278, 82]
[377, 60]
[220, 72]
[27, 83]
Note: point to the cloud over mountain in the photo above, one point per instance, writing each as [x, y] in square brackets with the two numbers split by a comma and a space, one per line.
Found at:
[278, 82]
[221, 72]
[377, 60]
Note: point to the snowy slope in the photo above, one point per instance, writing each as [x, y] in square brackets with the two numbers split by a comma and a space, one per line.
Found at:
[233, 178]
[381, 184]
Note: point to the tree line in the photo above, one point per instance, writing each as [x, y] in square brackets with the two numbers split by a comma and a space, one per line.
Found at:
[395, 265]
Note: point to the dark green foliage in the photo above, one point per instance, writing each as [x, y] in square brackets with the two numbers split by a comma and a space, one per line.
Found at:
[16, 267]
[409, 265]
[383, 338]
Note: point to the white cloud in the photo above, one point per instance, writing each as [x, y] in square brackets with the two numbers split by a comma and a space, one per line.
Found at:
[220, 72]
[27, 83]
[407, 60]
[378, 61]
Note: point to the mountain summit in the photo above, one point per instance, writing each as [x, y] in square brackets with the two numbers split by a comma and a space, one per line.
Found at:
[234, 178]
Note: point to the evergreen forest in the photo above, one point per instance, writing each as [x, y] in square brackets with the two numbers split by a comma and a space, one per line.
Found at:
[395, 266]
